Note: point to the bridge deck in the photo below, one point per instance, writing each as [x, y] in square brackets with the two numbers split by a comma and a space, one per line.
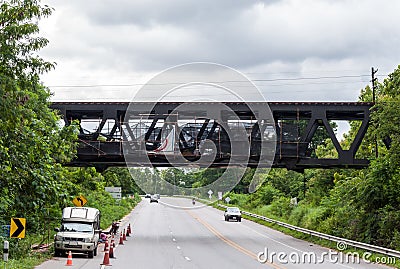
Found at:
[293, 128]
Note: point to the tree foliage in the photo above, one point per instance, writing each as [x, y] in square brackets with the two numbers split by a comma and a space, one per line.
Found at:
[32, 145]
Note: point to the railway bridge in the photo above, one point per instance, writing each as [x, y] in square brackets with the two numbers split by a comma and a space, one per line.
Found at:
[120, 133]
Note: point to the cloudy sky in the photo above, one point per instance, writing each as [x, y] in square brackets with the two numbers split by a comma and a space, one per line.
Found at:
[293, 50]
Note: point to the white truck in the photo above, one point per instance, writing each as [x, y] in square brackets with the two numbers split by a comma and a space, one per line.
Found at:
[79, 231]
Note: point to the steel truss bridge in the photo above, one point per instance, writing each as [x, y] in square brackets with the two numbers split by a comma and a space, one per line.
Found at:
[295, 130]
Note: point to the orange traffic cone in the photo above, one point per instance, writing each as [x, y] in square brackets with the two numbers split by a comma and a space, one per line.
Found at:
[69, 259]
[106, 245]
[124, 236]
[111, 252]
[129, 230]
[106, 259]
[121, 239]
[112, 242]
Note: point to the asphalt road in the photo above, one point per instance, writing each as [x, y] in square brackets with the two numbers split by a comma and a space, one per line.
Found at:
[167, 237]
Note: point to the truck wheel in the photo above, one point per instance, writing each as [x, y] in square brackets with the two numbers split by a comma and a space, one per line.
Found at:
[90, 254]
[240, 219]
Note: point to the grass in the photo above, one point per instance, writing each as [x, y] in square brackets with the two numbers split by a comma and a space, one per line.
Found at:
[27, 262]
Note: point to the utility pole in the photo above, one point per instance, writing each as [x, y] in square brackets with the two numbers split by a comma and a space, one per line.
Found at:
[374, 86]
[173, 172]
[374, 80]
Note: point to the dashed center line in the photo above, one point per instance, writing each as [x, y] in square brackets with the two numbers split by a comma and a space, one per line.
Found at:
[230, 242]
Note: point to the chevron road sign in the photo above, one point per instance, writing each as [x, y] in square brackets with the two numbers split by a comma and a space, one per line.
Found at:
[17, 229]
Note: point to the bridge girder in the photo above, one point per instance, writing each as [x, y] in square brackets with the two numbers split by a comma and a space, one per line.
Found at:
[296, 125]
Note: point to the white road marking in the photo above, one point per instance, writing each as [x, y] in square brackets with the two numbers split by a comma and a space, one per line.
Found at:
[187, 258]
[264, 235]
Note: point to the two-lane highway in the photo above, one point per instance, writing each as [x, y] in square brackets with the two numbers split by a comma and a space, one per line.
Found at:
[167, 237]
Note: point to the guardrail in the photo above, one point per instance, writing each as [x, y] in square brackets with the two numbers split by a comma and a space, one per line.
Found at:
[338, 240]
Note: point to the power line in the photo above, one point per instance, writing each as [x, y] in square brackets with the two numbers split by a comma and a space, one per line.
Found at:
[312, 78]
[228, 81]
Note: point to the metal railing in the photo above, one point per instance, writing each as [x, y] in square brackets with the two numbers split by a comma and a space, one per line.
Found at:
[356, 244]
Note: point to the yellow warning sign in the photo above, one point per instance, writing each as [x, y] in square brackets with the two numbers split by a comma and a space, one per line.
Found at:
[17, 228]
[79, 201]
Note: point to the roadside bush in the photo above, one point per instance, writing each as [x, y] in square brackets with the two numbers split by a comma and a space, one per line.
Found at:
[344, 222]
[263, 211]
[265, 195]
[298, 214]
[314, 218]
[240, 200]
[389, 220]
[280, 209]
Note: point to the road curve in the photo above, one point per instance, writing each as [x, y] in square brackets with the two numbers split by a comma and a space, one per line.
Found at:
[164, 236]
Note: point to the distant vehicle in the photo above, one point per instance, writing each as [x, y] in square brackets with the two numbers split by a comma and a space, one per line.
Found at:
[233, 213]
[154, 198]
[157, 195]
[79, 231]
[148, 195]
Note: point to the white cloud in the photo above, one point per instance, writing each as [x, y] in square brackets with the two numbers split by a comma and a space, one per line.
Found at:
[123, 42]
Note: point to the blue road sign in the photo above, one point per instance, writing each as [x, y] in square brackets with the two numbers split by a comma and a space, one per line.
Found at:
[5, 230]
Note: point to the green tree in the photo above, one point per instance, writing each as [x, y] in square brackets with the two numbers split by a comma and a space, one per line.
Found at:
[120, 177]
[32, 145]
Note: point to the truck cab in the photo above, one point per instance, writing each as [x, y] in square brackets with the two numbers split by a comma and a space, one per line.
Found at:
[79, 231]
